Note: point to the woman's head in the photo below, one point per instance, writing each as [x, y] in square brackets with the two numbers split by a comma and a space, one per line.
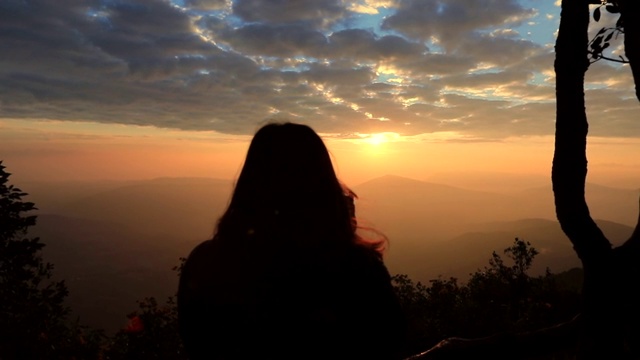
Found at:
[288, 185]
[284, 162]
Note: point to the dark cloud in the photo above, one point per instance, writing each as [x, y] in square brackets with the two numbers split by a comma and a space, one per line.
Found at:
[448, 21]
[365, 45]
[329, 76]
[287, 40]
[498, 51]
[317, 12]
[298, 39]
[434, 65]
[207, 4]
[229, 65]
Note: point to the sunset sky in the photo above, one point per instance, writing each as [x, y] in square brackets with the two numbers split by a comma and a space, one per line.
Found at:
[140, 89]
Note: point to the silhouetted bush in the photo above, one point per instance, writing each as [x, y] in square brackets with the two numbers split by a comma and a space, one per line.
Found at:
[34, 321]
[34, 324]
[152, 333]
[498, 298]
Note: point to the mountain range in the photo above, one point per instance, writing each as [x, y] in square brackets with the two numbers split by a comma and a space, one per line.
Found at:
[117, 242]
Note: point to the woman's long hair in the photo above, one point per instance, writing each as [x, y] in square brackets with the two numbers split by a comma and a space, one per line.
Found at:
[288, 192]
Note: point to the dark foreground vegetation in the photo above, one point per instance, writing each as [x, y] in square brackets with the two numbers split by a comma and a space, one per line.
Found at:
[501, 299]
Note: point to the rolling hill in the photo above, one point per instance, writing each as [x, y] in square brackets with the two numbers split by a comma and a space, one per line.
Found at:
[116, 242]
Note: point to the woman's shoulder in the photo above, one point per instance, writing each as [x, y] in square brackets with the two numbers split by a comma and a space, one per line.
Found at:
[212, 248]
[366, 256]
[215, 261]
[206, 260]
[364, 266]
[204, 249]
[200, 254]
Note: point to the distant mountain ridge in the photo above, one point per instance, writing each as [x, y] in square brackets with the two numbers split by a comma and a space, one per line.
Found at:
[117, 242]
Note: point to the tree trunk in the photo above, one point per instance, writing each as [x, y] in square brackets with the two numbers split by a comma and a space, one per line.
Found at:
[608, 324]
[630, 11]
[606, 295]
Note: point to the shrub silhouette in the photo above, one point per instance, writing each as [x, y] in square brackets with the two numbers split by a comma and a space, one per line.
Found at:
[152, 333]
[34, 324]
[33, 318]
[500, 298]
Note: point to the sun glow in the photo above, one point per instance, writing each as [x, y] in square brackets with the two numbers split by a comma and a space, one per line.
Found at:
[378, 139]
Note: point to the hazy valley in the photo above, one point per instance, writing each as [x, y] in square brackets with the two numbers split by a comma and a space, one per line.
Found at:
[116, 242]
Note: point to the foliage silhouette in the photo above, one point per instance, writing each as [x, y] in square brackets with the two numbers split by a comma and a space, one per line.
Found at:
[602, 40]
[152, 332]
[33, 318]
[500, 298]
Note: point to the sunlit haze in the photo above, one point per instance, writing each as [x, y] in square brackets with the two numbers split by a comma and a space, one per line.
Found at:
[179, 91]
[63, 151]
[127, 122]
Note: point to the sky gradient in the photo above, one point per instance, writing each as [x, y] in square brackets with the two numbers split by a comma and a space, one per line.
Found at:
[138, 89]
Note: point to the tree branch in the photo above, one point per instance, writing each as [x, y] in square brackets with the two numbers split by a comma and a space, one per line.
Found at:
[546, 341]
[602, 57]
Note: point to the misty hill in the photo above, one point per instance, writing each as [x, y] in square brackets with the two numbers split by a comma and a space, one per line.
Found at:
[466, 253]
[618, 205]
[50, 196]
[182, 207]
[605, 202]
[436, 229]
[500, 182]
[108, 266]
[116, 242]
[410, 208]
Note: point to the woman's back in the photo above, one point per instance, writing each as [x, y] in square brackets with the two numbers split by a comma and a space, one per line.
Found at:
[286, 272]
[246, 301]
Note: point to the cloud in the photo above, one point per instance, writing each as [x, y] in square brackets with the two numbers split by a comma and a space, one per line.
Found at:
[208, 4]
[318, 12]
[449, 21]
[427, 66]
[485, 81]
[364, 45]
[287, 40]
[498, 51]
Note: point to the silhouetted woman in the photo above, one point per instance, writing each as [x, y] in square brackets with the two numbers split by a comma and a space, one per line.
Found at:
[285, 275]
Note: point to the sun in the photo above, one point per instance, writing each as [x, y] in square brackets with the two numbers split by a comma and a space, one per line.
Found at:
[377, 139]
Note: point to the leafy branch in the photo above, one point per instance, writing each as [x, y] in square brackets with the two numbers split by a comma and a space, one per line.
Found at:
[602, 40]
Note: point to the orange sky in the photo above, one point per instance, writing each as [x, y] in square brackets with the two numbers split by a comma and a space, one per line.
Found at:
[54, 150]
[477, 97]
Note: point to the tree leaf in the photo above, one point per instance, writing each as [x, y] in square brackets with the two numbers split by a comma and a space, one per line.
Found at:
[608, 37]
[597, 41]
